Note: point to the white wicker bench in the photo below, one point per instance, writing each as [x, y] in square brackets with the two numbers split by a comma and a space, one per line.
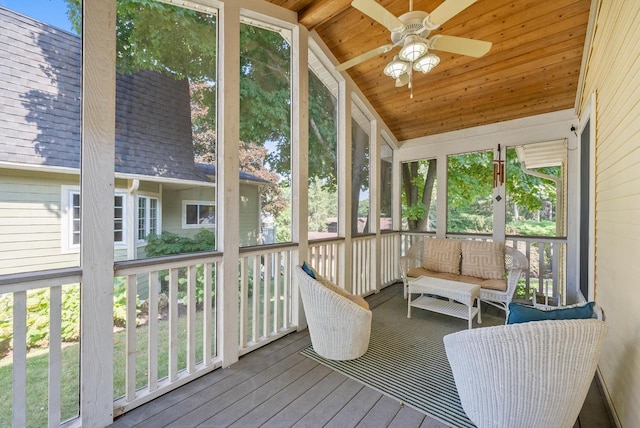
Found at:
[515, 265]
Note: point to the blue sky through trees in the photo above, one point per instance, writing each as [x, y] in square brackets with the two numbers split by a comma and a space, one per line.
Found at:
[52, 12]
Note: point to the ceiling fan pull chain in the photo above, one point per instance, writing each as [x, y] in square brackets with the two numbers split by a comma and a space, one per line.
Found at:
[411, 81]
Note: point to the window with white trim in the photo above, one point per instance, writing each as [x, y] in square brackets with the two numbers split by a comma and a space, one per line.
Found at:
[198, 214]
[147, 221]
[72, 216]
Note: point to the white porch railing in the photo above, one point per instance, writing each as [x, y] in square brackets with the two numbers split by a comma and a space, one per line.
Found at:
[363, 258]
[546, 277]
[265, 295]
[170, 338]
[324, 255]
[53, 406]
[389, 258]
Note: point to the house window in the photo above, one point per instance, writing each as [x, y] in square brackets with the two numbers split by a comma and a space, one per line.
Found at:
[74, 215]
[147, 217]
[198, 214]
[75, 221]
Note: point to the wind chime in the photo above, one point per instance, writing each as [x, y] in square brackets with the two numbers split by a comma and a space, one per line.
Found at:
[498, 172]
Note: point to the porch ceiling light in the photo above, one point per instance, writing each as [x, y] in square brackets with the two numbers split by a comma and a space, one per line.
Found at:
[413, 49]
[426, 63]
[396, 68]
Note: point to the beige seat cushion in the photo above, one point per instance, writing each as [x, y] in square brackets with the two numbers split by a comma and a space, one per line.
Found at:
[483, 259]
[442, 255]
[358, 300]
[490, 284]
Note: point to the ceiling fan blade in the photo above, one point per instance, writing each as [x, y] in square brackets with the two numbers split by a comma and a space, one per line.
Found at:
[365, 56]
[448, 10]
[459, 45]
[379, 13]
[402, 80]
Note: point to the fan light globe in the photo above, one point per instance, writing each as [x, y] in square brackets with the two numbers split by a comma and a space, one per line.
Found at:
[426, 63]
[413, 49]
[395, 68]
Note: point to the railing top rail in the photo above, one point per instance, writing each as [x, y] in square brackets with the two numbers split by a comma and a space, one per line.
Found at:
[531, 238]
[389, 232]
[413, 233]
[326, 240]
[363, 236]
[33, 280]
[265, 249]
[160, 263]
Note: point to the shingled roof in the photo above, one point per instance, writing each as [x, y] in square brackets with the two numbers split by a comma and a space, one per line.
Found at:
[40, 88]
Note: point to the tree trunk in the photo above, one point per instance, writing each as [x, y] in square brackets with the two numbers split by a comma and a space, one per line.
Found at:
[359, 173]
[423, 224]
[409, 175]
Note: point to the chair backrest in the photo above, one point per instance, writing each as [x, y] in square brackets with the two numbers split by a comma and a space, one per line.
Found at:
[339, 327]
[534, 374]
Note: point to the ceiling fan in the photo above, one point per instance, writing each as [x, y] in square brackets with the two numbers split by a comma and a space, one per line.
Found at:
[411, 30]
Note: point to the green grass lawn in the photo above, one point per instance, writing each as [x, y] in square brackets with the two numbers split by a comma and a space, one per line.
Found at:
[38, 365]
[38, 371]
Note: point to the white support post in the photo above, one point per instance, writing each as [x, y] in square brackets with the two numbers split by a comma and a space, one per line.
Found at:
[441, 207]
[374, 203]
[228, 181]
[344, 183]
[300, 160]
[97, 186]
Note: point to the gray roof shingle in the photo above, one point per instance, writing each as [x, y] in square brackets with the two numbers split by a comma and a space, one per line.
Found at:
[40, 87]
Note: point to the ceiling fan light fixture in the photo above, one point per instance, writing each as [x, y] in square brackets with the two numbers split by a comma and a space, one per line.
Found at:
[396, 68]
[426, 63]
[413, 49]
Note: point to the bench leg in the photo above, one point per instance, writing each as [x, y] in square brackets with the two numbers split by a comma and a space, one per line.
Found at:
[479, 311]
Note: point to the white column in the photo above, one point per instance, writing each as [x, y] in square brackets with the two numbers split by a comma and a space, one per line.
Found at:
[441, 206]
[374, 200]
[228, 186]
[299, 159]
[97, 187]
[344, 182]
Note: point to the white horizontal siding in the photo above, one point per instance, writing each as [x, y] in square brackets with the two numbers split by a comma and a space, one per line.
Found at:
[613, 73]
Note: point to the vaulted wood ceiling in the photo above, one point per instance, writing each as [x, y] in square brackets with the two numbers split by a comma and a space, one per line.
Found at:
[532, 68]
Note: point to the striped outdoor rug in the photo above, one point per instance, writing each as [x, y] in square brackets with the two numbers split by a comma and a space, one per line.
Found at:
[406, 360]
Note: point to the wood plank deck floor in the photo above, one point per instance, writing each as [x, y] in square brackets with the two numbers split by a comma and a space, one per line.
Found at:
[275, 386]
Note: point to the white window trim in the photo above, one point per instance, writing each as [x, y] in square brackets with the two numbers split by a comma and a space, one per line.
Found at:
[196, 226]
[66, 219]
[147, 221]
[123, 242]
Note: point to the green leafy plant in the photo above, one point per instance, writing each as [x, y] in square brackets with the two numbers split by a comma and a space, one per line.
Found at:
[38, 316]
[169, 243]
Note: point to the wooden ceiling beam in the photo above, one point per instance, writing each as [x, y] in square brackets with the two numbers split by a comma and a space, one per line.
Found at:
[321, 11]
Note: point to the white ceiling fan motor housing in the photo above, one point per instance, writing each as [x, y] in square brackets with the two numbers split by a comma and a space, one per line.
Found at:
[413, 25]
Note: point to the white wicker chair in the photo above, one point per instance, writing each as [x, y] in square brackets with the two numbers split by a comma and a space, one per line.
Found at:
[534, 374]
[339, 328]
[515, 265]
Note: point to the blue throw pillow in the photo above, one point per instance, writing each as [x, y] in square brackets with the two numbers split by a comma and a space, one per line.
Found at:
[519, 313]
[308, 271]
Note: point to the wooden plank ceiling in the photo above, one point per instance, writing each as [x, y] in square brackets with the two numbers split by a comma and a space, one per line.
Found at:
[532, 68]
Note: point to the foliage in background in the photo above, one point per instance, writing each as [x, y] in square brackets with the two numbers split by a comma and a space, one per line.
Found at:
[38, 316]
[169, 243]
[469, 194]
[418, 196]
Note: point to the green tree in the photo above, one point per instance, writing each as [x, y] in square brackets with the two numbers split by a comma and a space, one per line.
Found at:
[418, 179]
[182, 43]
